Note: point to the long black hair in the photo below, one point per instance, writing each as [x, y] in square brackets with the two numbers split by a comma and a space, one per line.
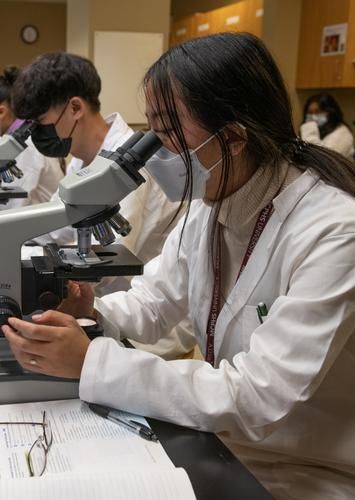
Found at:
[329, 105]
[231, 78]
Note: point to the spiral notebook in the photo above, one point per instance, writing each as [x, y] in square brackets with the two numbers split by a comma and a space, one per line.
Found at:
[91, 458]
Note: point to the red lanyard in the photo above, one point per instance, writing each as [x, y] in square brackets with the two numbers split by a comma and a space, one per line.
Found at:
[259, 227]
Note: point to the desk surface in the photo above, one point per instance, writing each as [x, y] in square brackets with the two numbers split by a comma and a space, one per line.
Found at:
[214, 472]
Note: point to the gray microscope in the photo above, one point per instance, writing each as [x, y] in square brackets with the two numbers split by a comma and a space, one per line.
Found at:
[89, 201]
[10, 147]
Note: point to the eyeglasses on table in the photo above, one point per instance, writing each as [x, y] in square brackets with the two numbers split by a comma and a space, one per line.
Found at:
[36, 457]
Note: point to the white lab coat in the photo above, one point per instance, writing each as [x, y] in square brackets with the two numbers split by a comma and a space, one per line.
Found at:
[149, 212]
[283, 392]
[41, 176]
[340, 140]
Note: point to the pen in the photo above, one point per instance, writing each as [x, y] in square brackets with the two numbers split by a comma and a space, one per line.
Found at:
[142, 430]
[262, 311]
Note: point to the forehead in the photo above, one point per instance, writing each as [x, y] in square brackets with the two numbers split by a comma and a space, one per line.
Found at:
[314, 107]
[156, 108]
[160, 117]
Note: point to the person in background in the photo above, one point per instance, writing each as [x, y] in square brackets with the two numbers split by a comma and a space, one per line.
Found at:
[265, 264]
[41, 175]
[61, 92]
[323, 124]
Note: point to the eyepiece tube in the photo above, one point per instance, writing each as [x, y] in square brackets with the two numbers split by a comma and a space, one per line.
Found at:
[147, 146]
[23, 132]
[137, 136]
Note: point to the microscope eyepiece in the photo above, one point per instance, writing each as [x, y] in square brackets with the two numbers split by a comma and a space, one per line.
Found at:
[144, 148]
[134, 153]
[22, 133]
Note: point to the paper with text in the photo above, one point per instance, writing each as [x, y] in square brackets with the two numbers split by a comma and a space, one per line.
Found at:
[82, 441]
[158, 483]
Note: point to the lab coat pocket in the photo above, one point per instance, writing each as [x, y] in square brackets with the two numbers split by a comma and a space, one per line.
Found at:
[249, 323]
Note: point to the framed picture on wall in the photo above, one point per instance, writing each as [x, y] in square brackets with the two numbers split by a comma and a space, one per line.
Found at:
[334, 39]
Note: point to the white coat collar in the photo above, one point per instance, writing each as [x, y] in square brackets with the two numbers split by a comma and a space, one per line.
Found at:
[284, 203]
[118, 128]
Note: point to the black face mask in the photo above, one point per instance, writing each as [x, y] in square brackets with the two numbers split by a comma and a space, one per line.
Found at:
[47, 141]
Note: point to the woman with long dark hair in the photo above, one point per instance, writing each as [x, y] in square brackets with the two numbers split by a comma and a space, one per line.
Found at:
[265, 264]
[323, 124]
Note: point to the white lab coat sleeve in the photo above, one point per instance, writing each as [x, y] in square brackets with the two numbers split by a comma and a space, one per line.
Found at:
[290, 354]
[310, 133]
[340, 140]
[156, 302]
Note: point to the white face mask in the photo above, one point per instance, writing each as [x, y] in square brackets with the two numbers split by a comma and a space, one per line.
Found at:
[320, 118]
[170, 172]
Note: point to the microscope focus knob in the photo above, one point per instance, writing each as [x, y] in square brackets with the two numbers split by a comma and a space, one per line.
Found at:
[48, 300]
[8, 307]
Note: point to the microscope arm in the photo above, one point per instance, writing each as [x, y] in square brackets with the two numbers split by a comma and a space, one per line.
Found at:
[22, 224]
[91, 191]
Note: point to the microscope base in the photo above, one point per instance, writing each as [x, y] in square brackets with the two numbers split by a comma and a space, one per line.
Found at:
[17, 386]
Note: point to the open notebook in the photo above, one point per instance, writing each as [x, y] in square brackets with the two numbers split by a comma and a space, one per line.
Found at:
[90, 458]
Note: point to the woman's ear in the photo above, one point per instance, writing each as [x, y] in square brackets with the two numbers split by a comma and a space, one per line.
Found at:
[236, 138]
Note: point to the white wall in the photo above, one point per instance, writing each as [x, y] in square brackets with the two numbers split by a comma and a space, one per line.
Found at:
[78, 34]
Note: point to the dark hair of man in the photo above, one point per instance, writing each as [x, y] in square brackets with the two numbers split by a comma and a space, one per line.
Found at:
[51, 80]
[327, 104]
[7, 80]
[231, 78]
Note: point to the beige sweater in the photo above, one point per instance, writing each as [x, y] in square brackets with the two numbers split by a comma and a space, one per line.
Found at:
[238, 224]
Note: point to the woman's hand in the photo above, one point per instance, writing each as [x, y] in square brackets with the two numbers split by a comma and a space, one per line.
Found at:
[79, 301]
[54, 344]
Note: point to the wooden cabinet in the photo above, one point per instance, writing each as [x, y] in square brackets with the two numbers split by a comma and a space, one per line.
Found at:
[203, 24]
[349, 62]
[229, 18]
[253, 17]
[315, 70]
[182, 30]
[246, 15]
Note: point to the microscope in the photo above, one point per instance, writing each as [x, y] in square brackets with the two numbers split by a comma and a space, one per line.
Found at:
[89, 201]
[10, 147]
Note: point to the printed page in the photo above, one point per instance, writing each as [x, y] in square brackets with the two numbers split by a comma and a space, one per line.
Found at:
[154, 484]
[82, 440]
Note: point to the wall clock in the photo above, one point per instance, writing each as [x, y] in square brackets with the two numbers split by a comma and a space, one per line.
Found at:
[29, 34]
